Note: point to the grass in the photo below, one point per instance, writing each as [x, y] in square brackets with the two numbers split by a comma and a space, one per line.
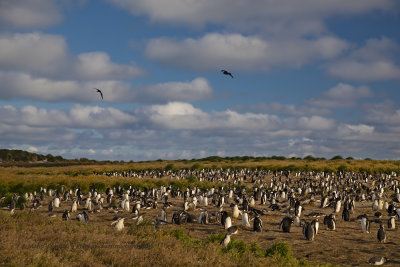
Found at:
[32, 240]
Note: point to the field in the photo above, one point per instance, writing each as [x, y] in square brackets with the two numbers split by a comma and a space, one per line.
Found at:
[35, 238]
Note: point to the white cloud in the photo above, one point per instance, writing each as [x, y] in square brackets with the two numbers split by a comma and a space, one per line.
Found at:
[198, 89]
[239, 52]
[27, 14]
[21, 85]
[283, 18]
[374, 61]
[78, 117]
[341, 95]
[47, 56]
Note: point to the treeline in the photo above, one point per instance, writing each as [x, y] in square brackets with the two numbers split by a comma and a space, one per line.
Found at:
[7, 155]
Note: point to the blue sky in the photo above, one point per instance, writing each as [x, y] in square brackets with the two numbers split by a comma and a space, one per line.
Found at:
[311, 77]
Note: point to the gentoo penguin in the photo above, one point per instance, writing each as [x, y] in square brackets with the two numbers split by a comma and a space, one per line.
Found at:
[203, 218]
[392, 222]
[66, 215]
[375, 205]
[119, 224]
[83, 217]
[330, 222]
[56, 202]
[296, 221]
[224, 215]
[163, 215]
[74, 207]
[377, 260]
[315, 225]
[226, 240]
[286, 224]
[257, 224]
[245, 219]
[346, 214]
[365, 224]
[235, 211]
[308, 231]
[228, 222]
[338, 206]
[176, 218]
[51, 206]
[381, 234]
[232, 230]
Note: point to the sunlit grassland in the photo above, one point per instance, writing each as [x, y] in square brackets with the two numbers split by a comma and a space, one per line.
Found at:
[32, 240]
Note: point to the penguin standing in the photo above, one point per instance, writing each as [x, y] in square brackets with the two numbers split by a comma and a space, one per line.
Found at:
[245, 220]
[308, 231]
[346, 214]
[257, 224]
[381, 234]
[226, 240]
[365, 224]
[286, 224]
[119, 224]
[315, 225]
[66, 215]
[330, 222]
[392, 222]
[228, 222]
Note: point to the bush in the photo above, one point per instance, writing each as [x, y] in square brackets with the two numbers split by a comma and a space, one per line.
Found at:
[281, 249]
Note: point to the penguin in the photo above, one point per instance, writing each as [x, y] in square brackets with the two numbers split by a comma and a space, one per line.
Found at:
[365, 224]
[257, 224]
[66, 215]
[296, 221]
[203, 217]
[308, 231]
[245, 219]
[377, 260]
[224, 215]
[83, 217]
[228, 222]
[74, 206]
[338, 206]
[56, 202]
[381, 234]
[119, 224]
[315, 225]
[232, 230]
[392, 222]
[286, 224]
[346, 214]
[235, 211]
[226, 240]
[51, 206]
[176, 218]
[330, 222]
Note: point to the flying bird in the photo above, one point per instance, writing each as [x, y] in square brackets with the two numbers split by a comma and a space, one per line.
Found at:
[225, 72]
[101, 93]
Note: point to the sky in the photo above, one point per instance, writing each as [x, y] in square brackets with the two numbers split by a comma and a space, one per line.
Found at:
[310, 77]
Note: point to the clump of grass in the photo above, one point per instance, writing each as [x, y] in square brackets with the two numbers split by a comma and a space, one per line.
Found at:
[281, 249]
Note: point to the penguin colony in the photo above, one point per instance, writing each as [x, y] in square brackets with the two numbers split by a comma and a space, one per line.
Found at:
[236, 208]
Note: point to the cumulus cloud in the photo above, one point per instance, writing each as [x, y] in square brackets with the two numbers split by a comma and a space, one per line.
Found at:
[27, 14]
[198, 89]
[384, 113]
[240, 52]
[47, 56]
[78, 117]
[22, 85]
[277, 17]
[341, 95]
[375, 61]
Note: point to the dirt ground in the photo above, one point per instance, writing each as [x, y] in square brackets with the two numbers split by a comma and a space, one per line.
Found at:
[346, 246]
